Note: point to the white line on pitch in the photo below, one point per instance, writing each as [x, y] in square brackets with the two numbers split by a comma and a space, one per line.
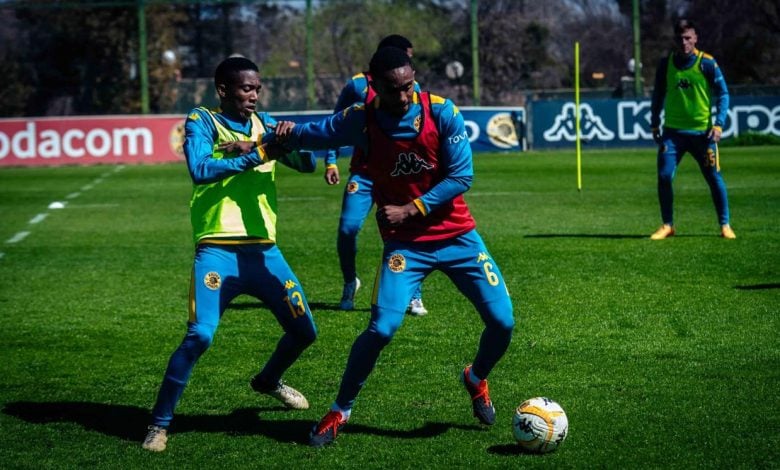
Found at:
[1, 254]
[81, 206]
[73, 195]
[18, 237]
[38, 218]
[87, 187]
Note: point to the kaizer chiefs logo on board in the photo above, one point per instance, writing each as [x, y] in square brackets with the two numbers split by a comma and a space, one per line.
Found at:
[176, 139]
[397, 263]
[352, 187]
[212, 280]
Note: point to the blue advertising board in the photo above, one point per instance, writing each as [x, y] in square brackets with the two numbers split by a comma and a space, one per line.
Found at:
[621, 123]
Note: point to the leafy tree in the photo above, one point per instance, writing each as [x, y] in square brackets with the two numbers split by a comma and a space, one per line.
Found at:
[83, 60]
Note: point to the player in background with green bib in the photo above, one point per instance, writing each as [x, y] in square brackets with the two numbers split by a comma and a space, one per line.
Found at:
[233, 214]
[687, 84]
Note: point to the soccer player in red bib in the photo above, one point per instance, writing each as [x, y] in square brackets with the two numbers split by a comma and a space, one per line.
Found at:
[356, 203]
[420, 161]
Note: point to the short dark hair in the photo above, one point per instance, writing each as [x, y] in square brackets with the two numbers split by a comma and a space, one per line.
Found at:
[682, 25]
[395, 40]
[229, 68]
[388, 58]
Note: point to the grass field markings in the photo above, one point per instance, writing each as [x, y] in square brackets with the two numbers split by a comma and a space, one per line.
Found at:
[19, 236]
[61, 205]
[38, 218]
[1, 255]
[83, 206]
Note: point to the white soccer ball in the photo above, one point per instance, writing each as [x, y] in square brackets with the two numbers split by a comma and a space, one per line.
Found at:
[540, 425]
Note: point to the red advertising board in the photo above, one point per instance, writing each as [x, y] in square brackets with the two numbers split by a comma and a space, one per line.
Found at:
[91, 140]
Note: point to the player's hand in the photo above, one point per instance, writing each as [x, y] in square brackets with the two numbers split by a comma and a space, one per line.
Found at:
[237, 147]
[274, 150]
[283, 130]
[657, 135]
[392, 216]
[332, 175]
[714, 134]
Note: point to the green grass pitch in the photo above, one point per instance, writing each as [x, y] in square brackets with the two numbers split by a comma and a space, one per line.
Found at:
[663, 354]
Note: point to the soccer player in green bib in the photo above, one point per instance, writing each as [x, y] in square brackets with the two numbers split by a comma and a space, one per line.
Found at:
[687, 84]
[233, 214]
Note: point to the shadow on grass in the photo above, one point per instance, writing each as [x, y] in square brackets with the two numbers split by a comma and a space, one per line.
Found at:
[312, 305]
[584, 235]
[130, 422]
[759, 286]
[510, 449]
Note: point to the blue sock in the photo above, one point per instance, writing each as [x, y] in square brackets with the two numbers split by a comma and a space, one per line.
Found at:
[344, 413]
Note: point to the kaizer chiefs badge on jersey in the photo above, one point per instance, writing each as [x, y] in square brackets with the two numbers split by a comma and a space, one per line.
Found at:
[352, 187]
[397, 263]
[212, 280]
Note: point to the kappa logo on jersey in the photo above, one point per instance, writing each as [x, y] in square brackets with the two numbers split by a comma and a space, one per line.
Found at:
[410, 164]
[483, 257]
[683, 84]
[212, 280]
[352, 187]
[591, 125]
[289, 284]
[397, 263]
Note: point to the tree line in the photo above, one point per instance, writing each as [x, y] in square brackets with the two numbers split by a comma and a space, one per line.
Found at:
[82, 58]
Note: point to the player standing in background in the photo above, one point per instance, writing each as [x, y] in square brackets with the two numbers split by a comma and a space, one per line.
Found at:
[420, 161]
[233, 212]
[685, 85]
[356, 202]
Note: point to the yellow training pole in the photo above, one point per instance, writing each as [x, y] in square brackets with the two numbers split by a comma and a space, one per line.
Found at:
[577, 113]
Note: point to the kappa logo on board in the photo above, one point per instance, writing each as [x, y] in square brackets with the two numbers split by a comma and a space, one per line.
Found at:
[592, 127]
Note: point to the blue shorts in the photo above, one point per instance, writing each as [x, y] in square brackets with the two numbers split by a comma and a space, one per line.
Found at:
[356, 202]
[222, 272]
[464, 259]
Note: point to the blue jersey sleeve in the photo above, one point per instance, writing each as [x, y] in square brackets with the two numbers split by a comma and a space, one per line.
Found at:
[454, 155]
[720, 91]
[343, 128]
[659, 93]
[199, 137]
[355, 91]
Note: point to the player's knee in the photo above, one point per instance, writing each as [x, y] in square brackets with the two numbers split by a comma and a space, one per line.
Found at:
[384, 330]
[500, 315]
[349, 227]
[306, 337]
[200, 336]
[665, 176]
